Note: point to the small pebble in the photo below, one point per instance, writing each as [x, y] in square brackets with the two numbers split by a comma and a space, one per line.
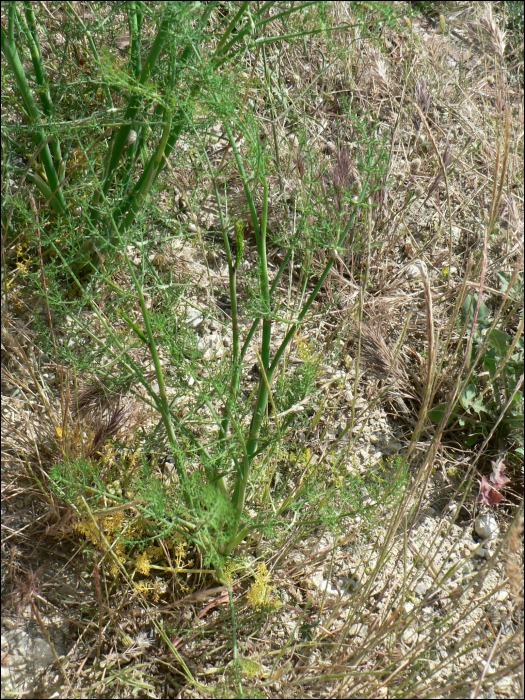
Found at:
[409, 636]
[413, 271]
[421, 588]
[486, 526]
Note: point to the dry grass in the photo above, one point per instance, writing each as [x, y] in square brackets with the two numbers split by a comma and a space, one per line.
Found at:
[397, 602]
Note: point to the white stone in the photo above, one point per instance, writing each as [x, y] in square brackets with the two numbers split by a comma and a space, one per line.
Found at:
[422, 587]
[414, 269]
[358, 630]
[393, 447]
[486, 526]
[480, 551]
[410, 636]
[194, 317]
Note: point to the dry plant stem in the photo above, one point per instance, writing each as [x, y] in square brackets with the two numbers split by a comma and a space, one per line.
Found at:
[39, 385]
[477, 581]
[443, 168]
[486, 665]
[350, 426]
[429, 459]
[430, 365]
[395, 522]
[44, 287]
[52, 646]
[451, 327]
[100, 608]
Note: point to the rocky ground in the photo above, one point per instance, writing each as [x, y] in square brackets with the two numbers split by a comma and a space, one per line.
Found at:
[414, 595]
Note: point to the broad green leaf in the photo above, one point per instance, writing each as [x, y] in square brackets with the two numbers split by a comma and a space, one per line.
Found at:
[437, 413]
[479, 407]
[468, 309]
[500, 341]
[514, 422]
[517, 290]
[490, 362]
[472, 439]
[468, 396]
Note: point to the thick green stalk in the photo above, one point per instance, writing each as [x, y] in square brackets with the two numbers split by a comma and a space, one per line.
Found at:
[135, 201]
[244, 178]
[277, 279]
[152, 170]
[262, 397]
[135, 25]
[226, 52]
[265, 287]
[262, 12]
[236, 357]
[242, 10]
[31, 35]
[236, 365]
[36, 57]
[163, 399]
[272, 18]
[121, 138]
[33, 113]
[149, 174]
[288, 337]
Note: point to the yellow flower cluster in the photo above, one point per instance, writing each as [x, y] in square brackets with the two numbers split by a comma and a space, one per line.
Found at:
[260, 594]
[90, 530]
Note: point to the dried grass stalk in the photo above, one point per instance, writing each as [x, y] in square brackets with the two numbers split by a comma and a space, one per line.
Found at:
[382, 362]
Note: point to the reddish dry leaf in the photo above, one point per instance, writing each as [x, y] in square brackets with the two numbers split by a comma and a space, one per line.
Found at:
[497, 477]
[488, 495]
[487, 490]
